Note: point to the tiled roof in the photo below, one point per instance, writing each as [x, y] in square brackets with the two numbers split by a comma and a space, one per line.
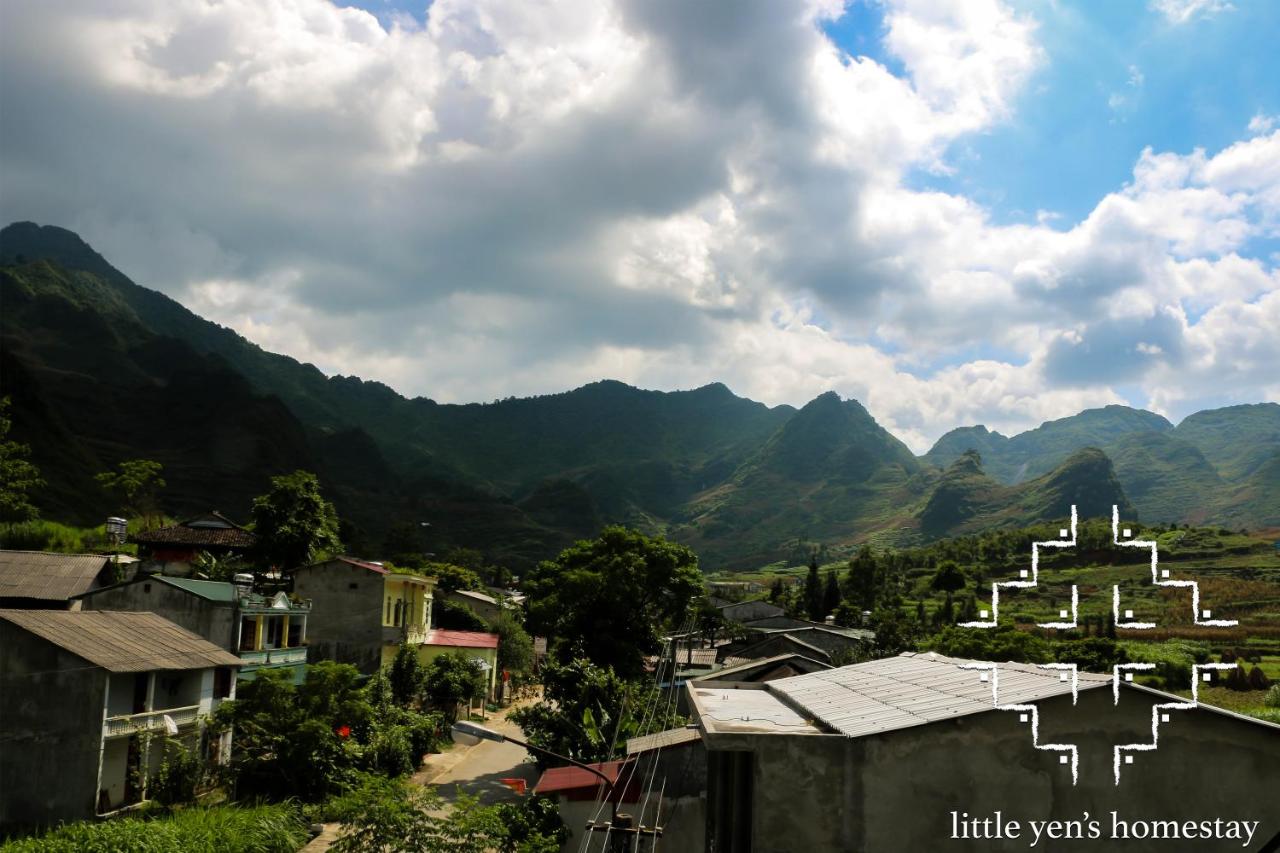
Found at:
[462, 639]
[915, 688]
[122, 642]
[573, 781]
[212, 529]
[351, 561]
[51, 577]
[738, 670]
[662, 740]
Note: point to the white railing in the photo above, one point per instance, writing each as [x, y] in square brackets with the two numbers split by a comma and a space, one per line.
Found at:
[267, 657]
[149, 721]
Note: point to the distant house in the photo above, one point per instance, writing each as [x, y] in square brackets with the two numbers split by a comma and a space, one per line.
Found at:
[88, 699]
[265, 632]
[827, 643]
[173, 548]
[580, 795]
[767, 669]
[877, 756]
[485, 606]
[362, 612]
[41, 580]
[746, 611]
[478, 646]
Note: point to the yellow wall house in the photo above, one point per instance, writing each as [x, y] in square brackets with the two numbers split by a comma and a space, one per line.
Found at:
[406, 612]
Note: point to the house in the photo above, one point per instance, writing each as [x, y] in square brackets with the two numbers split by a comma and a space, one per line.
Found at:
[879, 756]
[747, 611]
[672, 767]
[479, 647]
[172, 549]
[485, 606]
[767, 669]
[580, 795]
[827, 643]
[265, 632]
[362, 611]
[87, 700]
[41, 580]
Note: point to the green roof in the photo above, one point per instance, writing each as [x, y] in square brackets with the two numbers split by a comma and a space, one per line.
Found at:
[211, 590]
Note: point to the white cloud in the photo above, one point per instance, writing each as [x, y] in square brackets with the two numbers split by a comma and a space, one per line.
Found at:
[1182, 11]
[518, 197]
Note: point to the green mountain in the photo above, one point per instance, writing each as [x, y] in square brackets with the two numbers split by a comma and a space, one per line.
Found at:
[102, 370]
[967, 500]
[1037, 451]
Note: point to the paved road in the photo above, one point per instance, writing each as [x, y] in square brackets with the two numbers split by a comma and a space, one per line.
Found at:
[479, 769]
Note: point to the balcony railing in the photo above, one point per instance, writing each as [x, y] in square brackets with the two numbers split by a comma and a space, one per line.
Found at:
[275, 657]
[392, 634]
[149, 721]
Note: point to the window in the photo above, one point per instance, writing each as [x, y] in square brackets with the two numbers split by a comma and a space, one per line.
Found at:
[353, 585]
[248, 634]
[146, 587]
[399, 613]
[274, 632]
[222, 682]
[387, 618]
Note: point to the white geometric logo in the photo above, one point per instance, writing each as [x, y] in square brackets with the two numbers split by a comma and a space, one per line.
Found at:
[1028, 579]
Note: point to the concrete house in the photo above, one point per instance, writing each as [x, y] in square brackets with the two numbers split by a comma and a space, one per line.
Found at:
[41, 580]
[747, 611]
[362, 611]
[878, 756]
[172, 549]
[87, 700]
[478, 646]
[485, 606]
[265, 632]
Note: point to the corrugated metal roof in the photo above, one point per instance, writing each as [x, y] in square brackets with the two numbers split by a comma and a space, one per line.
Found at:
[916, 688]
[478, 596]
[662, 740]
[51, 577]
[729, 673]
[462, 639]
[565, 780]
[122, 642]
[219, 591]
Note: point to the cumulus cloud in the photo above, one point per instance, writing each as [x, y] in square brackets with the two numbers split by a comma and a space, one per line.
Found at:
[518, 197]
[1182, 11]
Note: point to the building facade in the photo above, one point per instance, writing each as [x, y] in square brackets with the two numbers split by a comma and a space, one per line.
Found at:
[362, 612]
[91, 701]
[265, 632]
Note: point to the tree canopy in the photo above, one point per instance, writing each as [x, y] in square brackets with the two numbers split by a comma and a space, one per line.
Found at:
[136, 483]
[17, 475]
[294, 523]
[610, 598]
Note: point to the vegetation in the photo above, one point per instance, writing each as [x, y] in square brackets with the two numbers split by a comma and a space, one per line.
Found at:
[515, 646]
[588, 712]
[18, 477]
[294, 523]
[387, 815]
[136, 485]
[451, 679]
[610, 598]
[224, 829]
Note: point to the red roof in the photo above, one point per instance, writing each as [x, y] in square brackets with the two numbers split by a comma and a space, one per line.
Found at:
[363, 564]
[212, 528]
[462, 639]
[574, 783]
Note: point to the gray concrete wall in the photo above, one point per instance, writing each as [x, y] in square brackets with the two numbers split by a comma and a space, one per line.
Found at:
[345, 623]
[215, 622]
[51, 708]
[896, 791]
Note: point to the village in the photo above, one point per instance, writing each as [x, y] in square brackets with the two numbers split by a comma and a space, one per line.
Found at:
[132, 683]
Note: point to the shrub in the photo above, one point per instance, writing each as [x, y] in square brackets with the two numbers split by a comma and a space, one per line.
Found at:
[390, 751]
[179, 777]
[226, 829]
[1258, 679]
[1272, 699]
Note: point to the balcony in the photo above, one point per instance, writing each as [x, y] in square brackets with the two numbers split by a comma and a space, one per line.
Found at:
[275, 657]
[394, 635]
[149, 721]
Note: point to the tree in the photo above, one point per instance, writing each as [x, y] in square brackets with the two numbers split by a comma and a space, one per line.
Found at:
[862, 581]
[894, 632]
[450, 680]
[450, 577]
[405, 675]
[136, 483]
[587, 712]
[609, 599]
[455, 616]
[831, 594]
[948, 578]
[776, 590]
[515, 646]
[294, 523]
[813, 592]
[17, 475]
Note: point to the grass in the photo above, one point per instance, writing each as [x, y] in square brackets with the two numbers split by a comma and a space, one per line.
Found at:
[55, 536]
[224, 829]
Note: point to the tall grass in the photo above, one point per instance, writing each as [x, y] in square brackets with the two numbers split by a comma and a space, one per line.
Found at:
[223, 829]
[55, 536]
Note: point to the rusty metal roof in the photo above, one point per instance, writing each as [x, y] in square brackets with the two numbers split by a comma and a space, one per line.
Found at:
[916, 688]
[122, 642]
[51, 577]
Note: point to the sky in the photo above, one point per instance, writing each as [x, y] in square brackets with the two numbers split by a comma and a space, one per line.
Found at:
[955, 212]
